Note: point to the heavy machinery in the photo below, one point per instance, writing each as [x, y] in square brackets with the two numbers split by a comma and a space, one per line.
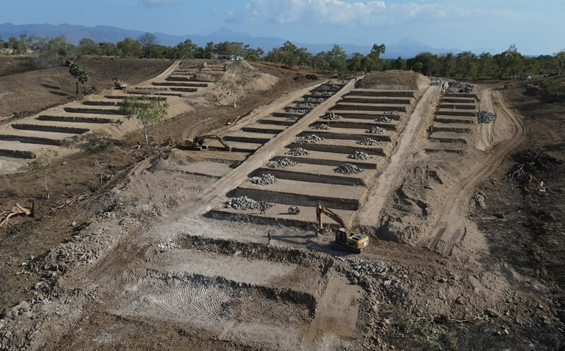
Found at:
[68, 61]
[197, 143]
[345, 238]
[293, 210]
[118, 84]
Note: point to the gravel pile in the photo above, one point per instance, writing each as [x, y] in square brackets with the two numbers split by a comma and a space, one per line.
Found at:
[321, 126]
[285, 162]
[486, 117]
[384, 119]
[293, 118]
[298, 110]
[348, 168]
[241, 203]
[309, 139]
[331, 117]
[323, 93]
[458, 88]
[359, 155]
[369, 141]
[391, 113]
[298, 151]
[375, 130]
[315, 100]
[308, 105]
[264, 179]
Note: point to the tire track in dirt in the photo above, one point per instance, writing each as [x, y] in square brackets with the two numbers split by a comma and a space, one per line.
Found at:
[486, 130]
[449, 229]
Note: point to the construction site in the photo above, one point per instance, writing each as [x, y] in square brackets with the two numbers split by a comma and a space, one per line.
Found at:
[382, 211]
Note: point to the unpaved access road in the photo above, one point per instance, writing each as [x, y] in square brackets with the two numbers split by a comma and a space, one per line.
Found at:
[449, 227]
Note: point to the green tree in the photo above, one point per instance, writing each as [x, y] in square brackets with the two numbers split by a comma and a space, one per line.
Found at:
[399, 63]
[129, 48]
[87, 47]
[378, 50]
[429, 63]
[336, 58]
[446, 65]
[147, 110]
[466, 64]
[354, 62]
[486, 66]
[559, 60]
[107, 49]
[148, 42]
[83, 77]
[238, 75]
[187, 49]
[59, 46]
[75, 71]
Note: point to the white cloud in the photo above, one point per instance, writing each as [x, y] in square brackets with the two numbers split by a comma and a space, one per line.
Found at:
[154, 3]
[368, 13]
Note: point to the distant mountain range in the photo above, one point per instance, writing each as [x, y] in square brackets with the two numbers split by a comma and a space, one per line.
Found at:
[405, 48]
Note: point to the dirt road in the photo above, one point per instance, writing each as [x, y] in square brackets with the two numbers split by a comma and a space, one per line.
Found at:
[449, 227]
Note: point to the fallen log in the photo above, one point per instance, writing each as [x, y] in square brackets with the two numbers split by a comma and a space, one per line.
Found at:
[15, 211]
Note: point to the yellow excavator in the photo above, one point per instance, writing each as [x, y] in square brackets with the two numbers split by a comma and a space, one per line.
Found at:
[118, 84]
[197, 143]
[345, 238]
[65, 61]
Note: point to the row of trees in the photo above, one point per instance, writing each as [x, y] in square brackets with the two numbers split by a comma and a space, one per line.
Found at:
[508, 64]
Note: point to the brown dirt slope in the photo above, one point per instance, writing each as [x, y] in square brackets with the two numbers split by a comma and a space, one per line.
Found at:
[28, 85]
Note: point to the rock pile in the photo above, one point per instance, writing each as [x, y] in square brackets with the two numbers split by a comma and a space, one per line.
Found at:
[308, 105]
[315, 100]
[375, 130]
[384, 119]
[486, 116]
[323, 93]
[285, 162]
[298, 110]
[368, 141]
[298, 151]
[359, 155]
[293, 118]
[264, 179]
[348, 168]
[309, 139]
[331, 117]
[321, 126]
[457, 88]
[245, 203]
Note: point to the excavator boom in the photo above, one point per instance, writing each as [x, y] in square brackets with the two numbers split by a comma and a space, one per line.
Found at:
[345, 238]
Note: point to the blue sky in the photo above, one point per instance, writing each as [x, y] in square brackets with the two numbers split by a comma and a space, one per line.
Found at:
[536, 27]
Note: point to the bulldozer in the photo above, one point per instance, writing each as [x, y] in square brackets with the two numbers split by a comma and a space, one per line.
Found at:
[118, 84]
[345, 238]
[197, 143]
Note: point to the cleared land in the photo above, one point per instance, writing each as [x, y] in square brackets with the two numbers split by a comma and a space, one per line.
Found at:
[136, 249]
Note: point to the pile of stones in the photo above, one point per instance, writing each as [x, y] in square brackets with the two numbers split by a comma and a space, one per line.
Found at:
[359, 155]
[241, 203]
[264, 179]
[348, 168]
[285, 162]
[298, 151]
[308, 105]
[321, 126]
[309, 139]
[323, 93]
[369, 141]
[375, 130]
[315, 100]
[298, 110]
[331, 117]
[384, 119]
[293, 118]
[486, 116]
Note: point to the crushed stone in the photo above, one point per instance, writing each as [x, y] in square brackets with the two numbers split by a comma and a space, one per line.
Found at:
[285, 162]
[348, 168]
[360, 155]
[309, 139]
[375, 130]
[264, 179]
[298, 151]
[369, 141]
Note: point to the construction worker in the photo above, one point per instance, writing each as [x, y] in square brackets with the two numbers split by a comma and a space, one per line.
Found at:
[262, 207]
[269, 237]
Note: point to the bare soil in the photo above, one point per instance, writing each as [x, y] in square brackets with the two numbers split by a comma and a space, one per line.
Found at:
[135, 267]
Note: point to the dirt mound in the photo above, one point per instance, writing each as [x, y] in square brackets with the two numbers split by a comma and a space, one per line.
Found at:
[395, 80]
